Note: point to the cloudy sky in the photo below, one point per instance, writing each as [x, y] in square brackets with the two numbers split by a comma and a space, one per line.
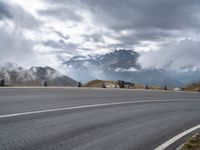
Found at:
[48, 32]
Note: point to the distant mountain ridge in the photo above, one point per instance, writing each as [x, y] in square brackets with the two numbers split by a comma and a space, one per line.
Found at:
[123, 59]
[17, 75]
[118, 65]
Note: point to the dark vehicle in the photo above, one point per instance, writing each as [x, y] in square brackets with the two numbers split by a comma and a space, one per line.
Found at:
[125, 84]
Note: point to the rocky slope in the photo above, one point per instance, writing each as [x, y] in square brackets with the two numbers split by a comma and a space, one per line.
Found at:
[17, 75]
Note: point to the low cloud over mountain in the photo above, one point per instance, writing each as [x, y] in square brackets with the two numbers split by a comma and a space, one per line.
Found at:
[119, 65]
[180, 56]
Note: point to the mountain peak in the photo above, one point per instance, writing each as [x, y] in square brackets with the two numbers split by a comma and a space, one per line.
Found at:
[16, 75]
[123, 59]
[45, 72]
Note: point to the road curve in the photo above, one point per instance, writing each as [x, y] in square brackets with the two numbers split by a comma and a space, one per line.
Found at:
[150, 119]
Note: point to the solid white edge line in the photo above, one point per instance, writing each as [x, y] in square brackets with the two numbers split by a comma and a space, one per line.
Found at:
[176, 138]
[91, 106]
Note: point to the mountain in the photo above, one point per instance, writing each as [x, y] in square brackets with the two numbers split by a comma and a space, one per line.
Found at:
[118, 65]
[123, 59]
[17, 75]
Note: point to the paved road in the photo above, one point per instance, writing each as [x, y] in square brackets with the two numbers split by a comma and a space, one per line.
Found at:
[136, 126]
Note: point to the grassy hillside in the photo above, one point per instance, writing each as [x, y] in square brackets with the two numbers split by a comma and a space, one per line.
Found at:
[113, 84]
[100, 83]
[192, 87]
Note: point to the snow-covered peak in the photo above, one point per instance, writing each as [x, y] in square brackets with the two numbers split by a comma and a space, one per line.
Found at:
[16, 75]
[45, 72]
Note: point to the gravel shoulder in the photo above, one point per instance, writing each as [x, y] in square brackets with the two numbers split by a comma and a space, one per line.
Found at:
[192, 144]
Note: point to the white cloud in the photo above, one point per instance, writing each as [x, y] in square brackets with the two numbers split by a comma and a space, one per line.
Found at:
[174, 56]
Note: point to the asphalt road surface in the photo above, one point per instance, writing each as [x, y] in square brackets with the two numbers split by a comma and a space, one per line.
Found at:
[154, 118]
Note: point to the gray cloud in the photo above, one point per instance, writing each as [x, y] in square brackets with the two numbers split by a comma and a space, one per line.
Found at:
[141, 14]
[61, 45]
[152, 20]
[14, 48]
[61, 35]
[94, 38]
[20, 17]
[24, 19]
[61, 12]
[15, 45]
[4, 10]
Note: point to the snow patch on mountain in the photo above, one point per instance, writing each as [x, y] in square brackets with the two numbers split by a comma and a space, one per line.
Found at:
[16, 75]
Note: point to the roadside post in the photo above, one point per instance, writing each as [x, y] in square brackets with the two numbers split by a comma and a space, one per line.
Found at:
[2, 82]
[79, 84]
[103, 85]
[44, 83]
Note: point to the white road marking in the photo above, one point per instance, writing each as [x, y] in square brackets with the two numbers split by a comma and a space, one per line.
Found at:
[91, 106]
[176, 138]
